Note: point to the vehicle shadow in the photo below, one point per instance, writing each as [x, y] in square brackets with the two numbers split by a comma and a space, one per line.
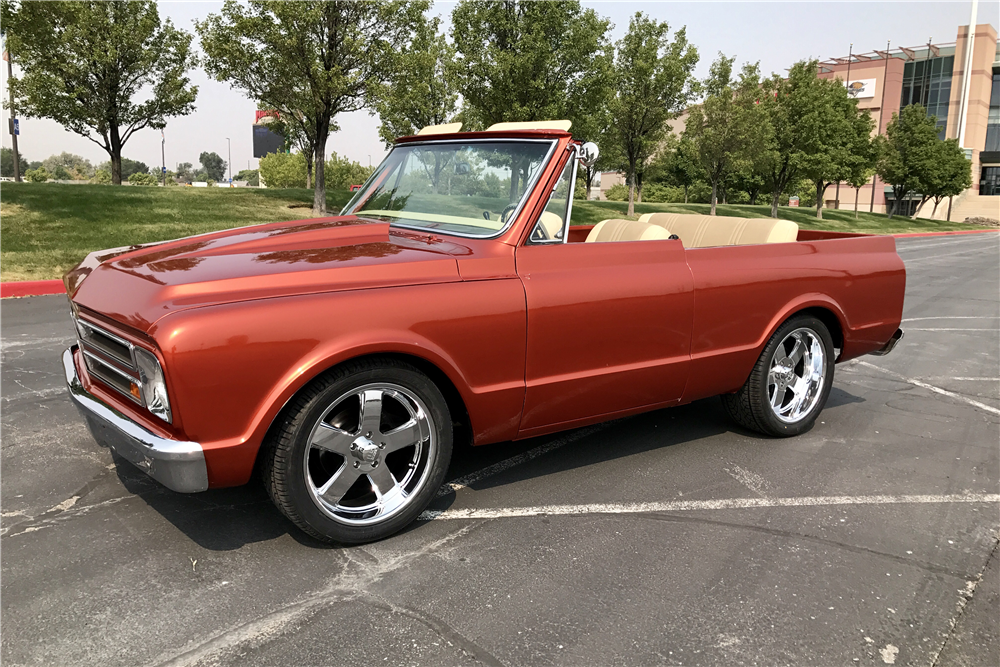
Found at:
[228, 519]
[217, 519]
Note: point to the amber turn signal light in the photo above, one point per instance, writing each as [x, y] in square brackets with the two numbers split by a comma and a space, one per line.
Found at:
[134, 388]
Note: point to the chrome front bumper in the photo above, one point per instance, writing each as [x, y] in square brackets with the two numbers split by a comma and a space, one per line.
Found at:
[179, 466]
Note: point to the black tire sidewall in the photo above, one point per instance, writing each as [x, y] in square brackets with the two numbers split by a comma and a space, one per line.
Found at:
[314, 410]
[762, 406]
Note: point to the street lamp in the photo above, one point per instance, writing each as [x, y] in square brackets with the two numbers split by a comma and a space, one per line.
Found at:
[229, 145]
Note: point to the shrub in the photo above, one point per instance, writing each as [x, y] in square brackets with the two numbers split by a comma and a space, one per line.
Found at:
[283, 170]
[101, 177]
[617, 192]
[142, 178]
[341, 173]
[39, 175]
[211, 183]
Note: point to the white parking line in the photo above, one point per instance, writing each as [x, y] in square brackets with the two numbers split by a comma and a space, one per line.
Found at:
[930, 387]
[694, 505]
[948, 329]
[953, 317]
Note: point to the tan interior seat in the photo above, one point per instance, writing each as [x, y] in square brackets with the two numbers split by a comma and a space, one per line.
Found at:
[551, 222]
[625, 230]
[705, 231]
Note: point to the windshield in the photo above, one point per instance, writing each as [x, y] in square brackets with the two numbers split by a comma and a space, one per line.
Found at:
[470, 188]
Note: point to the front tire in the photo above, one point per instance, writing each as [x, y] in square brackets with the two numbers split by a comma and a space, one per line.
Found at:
[790, 383]
[360, 452]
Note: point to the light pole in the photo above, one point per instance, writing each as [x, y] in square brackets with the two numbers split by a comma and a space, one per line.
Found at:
[229, 146]
[13, 117]
[881, 124]
[850, 52]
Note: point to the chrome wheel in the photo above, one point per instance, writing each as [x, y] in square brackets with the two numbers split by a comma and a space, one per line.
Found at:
[368, 455]
[796, 375]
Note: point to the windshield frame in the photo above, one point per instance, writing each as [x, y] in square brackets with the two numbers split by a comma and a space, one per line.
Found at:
[529, 188]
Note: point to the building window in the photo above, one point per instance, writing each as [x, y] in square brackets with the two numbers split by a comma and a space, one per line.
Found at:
[993, 122]
[989, 182]
[928, 83]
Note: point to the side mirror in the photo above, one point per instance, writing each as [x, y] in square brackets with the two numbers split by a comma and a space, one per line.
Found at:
[589, 154]
[462, 168]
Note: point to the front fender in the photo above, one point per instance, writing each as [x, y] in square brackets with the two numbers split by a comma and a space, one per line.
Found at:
[232, 368]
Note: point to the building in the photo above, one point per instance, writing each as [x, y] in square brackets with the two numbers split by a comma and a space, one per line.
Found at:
[967, 109]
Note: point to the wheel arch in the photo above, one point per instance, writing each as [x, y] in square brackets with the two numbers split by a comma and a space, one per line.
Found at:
[453, 397]
[820, 306]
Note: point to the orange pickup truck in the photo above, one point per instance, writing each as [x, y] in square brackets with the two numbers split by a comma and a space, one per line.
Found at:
[452, 300]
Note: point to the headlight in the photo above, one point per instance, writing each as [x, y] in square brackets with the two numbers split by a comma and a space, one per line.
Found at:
[154, 388]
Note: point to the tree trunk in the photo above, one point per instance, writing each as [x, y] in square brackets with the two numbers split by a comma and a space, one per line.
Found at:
[857, 195]
[319, 192]
[715, 192]
[934, 210]
[820, 189]
[774, 204]
[638, 189]
[685, 193]
[836, 197]
[309, 167]
[515, 170]
[923, 201]
[631, 198]
[949, 209]
[116, 156]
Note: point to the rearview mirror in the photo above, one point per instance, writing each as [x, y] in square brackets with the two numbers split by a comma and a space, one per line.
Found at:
[589, 154]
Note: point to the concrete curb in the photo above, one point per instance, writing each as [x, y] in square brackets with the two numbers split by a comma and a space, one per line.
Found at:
[31, 288]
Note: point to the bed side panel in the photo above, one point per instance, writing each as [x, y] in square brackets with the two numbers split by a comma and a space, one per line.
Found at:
[744, 293]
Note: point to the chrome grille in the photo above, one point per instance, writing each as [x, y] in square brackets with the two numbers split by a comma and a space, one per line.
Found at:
[109, 358]
[106, 343]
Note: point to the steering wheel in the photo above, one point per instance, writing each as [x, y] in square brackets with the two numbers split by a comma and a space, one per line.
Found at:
[505, 212]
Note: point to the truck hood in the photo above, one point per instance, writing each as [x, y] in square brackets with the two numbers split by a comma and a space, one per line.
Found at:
[137, 285]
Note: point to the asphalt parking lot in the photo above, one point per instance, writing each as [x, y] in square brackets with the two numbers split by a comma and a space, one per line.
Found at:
[671, 538]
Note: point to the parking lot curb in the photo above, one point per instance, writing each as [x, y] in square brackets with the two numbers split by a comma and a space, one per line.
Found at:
[31, 288]
[959, 231]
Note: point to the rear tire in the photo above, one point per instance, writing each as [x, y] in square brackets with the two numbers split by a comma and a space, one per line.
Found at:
[360, 452]
[790, 383]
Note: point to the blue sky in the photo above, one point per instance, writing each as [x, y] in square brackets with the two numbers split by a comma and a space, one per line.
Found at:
[775, 33]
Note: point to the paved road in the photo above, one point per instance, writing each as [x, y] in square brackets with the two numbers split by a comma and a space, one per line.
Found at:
[858, 543]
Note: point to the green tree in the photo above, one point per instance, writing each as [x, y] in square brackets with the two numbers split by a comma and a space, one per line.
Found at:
[127, 167]
[104, 70]
[949, 174]
[906, 152]
[524, 61]
[840, 133]
[796, 127]
[652, 82]
[310, 61]
[729, 126]
[213, 165]
[76, 167]
[422, 91]
[185, 172]
[251, 176]
[101, 177]
[678, 166]
[7, 162]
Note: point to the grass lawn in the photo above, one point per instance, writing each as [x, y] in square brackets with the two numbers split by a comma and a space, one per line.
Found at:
[46, 228]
